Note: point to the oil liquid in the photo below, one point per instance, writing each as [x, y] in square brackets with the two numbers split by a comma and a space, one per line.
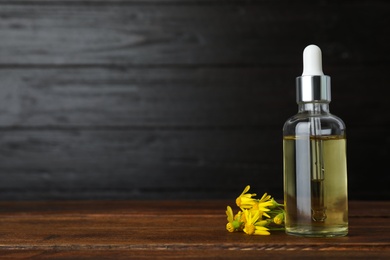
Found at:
[315, 190]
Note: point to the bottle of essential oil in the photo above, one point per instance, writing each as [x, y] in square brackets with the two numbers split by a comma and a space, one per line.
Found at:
[314, 158]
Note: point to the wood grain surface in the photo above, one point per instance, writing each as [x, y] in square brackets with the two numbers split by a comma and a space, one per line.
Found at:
[170, 230]
[129, 99]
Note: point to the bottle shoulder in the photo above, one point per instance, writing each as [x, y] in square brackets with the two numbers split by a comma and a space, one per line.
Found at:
[307, 117]
[328, 122]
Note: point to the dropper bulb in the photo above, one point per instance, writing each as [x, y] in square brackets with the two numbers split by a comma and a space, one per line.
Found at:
[312, 61]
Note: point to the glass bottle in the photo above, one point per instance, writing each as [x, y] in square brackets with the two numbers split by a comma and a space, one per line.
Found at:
[314, 158]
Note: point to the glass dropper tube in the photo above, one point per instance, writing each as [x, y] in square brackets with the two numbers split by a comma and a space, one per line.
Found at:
[318, 206]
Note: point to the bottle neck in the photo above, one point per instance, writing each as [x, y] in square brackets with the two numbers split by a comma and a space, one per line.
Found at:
[315, 108]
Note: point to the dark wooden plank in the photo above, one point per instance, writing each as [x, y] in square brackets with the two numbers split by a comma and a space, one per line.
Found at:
[186, 229]
[67, 208]
[163, 163]
[185, 232]
[216, 32]
[143, 97]
[191, 254]
[136, 163]
[174, 97]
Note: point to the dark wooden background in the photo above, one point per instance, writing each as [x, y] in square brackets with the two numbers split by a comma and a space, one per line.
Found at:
[165, 99]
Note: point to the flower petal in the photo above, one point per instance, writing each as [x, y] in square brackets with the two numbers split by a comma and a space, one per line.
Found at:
[229, 214]
[246, 189]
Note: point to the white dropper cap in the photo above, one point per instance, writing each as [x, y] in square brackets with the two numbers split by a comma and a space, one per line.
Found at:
[313, 85]
[312, 61]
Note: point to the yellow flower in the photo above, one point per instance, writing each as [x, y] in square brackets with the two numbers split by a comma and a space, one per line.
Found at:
[245, 200]
[251, 219]
[278, 219]
[265, 198]
[234, 223]
[254, 225]
[230, 227]
[263, 204]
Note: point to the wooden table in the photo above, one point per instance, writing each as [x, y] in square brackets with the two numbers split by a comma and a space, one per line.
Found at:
[171, 230]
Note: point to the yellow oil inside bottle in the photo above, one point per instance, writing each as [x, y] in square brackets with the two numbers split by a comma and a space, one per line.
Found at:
[315, 185]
